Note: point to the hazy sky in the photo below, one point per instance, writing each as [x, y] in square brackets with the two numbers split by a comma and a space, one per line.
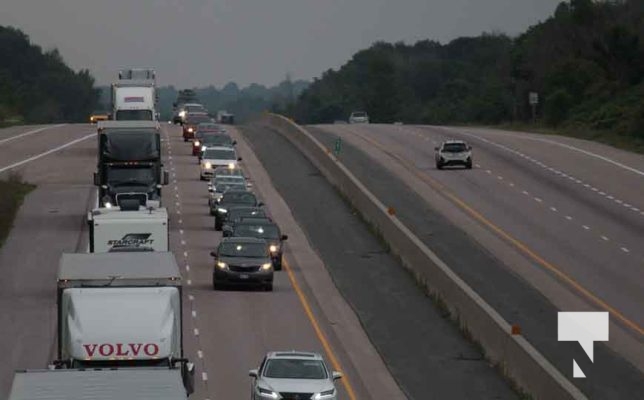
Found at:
[201, 42]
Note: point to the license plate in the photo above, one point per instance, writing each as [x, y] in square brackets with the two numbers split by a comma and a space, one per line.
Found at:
[243, 276]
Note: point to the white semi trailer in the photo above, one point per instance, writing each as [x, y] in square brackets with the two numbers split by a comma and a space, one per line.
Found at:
[121, 310]
[104, 384]
[118, 229]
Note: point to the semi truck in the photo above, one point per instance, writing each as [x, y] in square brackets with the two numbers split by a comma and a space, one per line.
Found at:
[137, 74]
[134, 100]
[104, 384]
[129, 163]
[128, 227]
[121, 310]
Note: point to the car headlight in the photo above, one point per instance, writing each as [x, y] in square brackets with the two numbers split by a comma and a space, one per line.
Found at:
[203, 148]
[197, 143]
[324, 395]
[222, 265]
[273, 248]
[267, 266]
[231, 165]
[208, 165]
[190, 129]
[269, 394]
[108, 205]
[222, 210]
[182, 114]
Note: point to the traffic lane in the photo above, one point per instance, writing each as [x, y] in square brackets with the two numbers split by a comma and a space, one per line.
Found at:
[347, 345]
[7, 134]
[235, 328]
[50, 222]
[424, 352]
[614, 177]
[508, 292]
[34, 150]
[605, 258]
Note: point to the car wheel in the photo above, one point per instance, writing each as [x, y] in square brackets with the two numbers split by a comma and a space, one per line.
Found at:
[468, 165]
[216, 285]
[278, 266]
[218, 225]
[268, 287]
[439, 165]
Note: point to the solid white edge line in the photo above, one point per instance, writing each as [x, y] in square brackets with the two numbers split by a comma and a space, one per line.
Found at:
[46, 153]
[30, 133]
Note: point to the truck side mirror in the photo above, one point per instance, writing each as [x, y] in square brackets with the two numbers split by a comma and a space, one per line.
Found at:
[284, 237]
[213, 253]
[166, 177]
[97, 181]
[260, 204]
[234, 142]
[239, 158]
[336, 375]
[189, 378]
[436, 148]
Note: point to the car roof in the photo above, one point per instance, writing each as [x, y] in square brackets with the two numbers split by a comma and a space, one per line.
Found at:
[219, 148]
[302, 355]
[242, 240]
[256, 221]
[454, 141]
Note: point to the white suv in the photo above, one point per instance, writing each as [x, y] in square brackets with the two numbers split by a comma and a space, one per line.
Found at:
[358, 117]
[293, 376]
[453, 152]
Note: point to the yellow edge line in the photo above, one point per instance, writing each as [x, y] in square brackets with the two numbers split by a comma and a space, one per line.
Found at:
[521, 246]
[318, 331]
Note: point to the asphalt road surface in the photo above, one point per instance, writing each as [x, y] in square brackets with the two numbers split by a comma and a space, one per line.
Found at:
[537, 212]
[425, 352]
[226, 333]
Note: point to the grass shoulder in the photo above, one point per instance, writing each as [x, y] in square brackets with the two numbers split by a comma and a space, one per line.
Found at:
[12, 193]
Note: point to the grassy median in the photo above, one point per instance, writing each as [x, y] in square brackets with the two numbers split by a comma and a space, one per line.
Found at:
[12, 193]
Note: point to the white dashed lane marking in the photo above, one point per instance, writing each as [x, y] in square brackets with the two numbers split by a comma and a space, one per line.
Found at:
[196, 331]
[204, 376]
[586, 227]
[604, 238]
[561, 173]
[625, 250]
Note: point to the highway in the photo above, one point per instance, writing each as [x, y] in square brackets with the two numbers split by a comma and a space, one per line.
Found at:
[558, 215]
[226, 333]
[563, 245]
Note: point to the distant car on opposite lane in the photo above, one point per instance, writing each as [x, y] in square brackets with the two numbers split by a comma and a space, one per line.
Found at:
[453, 152]
[359, 117]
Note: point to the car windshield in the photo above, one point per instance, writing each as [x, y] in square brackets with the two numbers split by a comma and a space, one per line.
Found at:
[232, 249]
[239, 197]
[194, 108]
[196, 119]
[219, 154]
[225, 171]
[129, 175]
[359, 114]
[295, 369]
[257, 231]
[454, 147]
[217, 140]
[245, 212]
[134, 115]
[207, 125]
[223, 187]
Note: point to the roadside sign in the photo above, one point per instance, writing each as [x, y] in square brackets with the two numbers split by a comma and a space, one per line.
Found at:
[533, 97]
[338, 146]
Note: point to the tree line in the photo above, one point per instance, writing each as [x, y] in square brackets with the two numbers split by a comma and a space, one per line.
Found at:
[586, 63]
[37, 86]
